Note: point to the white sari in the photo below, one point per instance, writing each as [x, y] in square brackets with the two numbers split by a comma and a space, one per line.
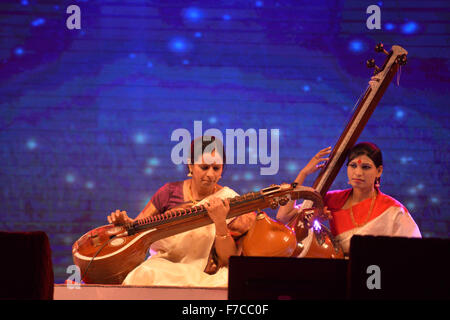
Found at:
[179, 260]
[394, 222]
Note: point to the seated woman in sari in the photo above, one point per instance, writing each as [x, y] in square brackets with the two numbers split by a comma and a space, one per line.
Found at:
[362, 209]
[198, 257]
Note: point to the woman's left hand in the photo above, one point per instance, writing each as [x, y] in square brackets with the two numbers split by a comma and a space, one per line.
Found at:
[317, 162]
[218, 209]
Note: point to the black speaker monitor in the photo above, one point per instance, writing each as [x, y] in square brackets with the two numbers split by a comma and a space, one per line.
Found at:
[398, 268]
[268, 278]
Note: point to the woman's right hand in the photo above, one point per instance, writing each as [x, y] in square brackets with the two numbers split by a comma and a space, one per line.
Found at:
[119, 218]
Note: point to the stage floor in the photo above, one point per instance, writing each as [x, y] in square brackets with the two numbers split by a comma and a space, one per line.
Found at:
[119, 292]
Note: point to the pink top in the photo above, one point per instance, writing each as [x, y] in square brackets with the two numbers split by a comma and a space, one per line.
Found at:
[168, 196]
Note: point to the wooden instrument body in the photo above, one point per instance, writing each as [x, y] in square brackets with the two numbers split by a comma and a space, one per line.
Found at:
[117, 257]
[108, 253]
[322, 243]
[269, 238]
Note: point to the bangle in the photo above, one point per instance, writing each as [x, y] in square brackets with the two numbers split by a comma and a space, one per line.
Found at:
[223, 237]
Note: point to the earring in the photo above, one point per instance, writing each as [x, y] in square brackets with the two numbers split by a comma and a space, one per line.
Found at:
[377, 182]
[189, 174]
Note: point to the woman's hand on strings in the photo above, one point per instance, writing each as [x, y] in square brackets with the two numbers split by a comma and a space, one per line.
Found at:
[317, 162]
[217, 209]
[309, 215]
[119, 218]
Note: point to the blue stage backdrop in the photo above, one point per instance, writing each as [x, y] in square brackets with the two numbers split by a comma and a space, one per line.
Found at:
[87, 114]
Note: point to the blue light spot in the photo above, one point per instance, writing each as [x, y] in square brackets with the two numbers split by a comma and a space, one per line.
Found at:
[132, 55]
[399, 114]
[89, 185]
[139, 138]
[256, 188]
[306, 88]
[226, 17]
[31, 144]
[405, 160]
[292, 167]
[248, 176]
[356, 46]
[68, 240]
[193, 14]
[420, 186]
[389, 26]
[235, 177]
[198, 34]
[319, 79]
[153, 161]
[212, 120]
[412, 190]
[259, 4]
[149, 64]
[24, 2]
[70, 178]
[38, 22]
[19, 51]
[410, 205]
[148, 171]
[185, 62]
[434, 200]
[410, 27]
[178, 45]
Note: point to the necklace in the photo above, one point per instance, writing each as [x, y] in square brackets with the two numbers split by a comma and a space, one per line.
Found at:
[368, 215]
[191, 195]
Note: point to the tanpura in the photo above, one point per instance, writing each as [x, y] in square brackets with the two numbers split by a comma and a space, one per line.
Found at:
[271, 238]
[381, 79]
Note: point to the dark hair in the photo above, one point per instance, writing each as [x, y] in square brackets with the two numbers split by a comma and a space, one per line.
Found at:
[369, 149]
[199, 145]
